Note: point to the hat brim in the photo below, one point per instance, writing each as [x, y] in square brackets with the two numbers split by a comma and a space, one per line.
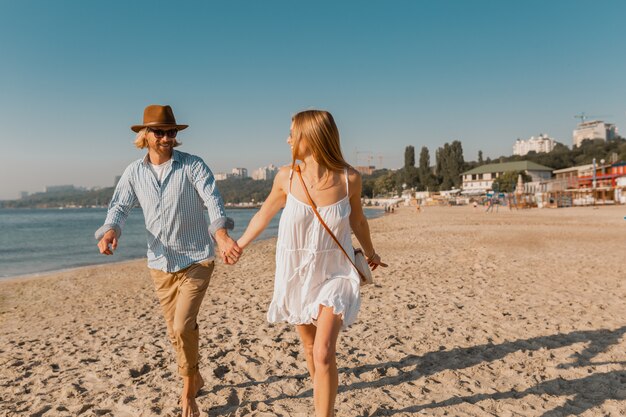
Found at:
[137, 128]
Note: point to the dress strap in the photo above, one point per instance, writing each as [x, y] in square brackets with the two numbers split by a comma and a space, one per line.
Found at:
[290, 178]
[345, 172]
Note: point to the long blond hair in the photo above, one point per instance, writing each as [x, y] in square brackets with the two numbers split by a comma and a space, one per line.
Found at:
[320, 131]
[141, 139]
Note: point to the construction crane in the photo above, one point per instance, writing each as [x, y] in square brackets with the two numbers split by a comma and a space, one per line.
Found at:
[368, 155]
[582, 116]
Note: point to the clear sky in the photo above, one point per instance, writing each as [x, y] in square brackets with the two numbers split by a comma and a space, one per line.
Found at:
[74, 75]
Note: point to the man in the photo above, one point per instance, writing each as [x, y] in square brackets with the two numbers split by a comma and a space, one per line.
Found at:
[173, 188]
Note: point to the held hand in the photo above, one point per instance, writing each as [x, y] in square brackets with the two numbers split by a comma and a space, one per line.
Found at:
[374, 261]
[108, 243]
[228, 249]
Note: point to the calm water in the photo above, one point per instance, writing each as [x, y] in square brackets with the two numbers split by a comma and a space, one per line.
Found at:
[40, 240]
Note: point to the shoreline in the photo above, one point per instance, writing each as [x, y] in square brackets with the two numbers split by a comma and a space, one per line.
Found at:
[39, 274]
[44, 274]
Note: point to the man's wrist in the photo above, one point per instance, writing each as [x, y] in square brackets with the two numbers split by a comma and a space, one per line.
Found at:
[221, 233]
[221, 223]
[106, 228]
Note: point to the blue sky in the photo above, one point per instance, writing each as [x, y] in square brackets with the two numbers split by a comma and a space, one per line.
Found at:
[74, 75]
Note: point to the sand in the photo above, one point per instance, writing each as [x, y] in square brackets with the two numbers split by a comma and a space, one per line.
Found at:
[515, 313]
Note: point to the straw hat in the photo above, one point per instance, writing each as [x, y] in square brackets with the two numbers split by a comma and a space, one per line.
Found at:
[159, 117]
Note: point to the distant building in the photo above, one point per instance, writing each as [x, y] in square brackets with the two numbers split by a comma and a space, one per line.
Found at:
[480, 179]
[221, 176]
[24, 194]
[602, 175]
[240, 172]
[595, 129]
[569, 178]
[540, 144]
[573, 172]
[58, 188]
[365, 170]
[265, 173]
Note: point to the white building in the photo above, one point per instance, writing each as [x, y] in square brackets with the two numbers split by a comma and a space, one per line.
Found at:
[595, 129]
[479, 180]
[540, 144]
[265, 173]
[221, 176]
[240, 172]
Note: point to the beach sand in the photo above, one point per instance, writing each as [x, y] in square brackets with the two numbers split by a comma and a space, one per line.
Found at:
[515, 313]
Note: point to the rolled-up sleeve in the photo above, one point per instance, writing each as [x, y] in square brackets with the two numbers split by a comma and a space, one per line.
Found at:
[122, 202]
[204, 182]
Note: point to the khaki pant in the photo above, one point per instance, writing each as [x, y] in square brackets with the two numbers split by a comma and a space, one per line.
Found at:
[180, 294]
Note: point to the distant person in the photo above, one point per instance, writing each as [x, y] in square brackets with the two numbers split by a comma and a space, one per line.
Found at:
[491, 203]
[511, 201]
[316, 287]
[415, 202]
[174, 190]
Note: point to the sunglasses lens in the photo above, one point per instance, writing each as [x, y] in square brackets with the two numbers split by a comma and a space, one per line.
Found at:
[158, 133]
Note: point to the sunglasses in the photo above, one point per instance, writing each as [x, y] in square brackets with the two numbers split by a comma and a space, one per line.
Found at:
[160, 133]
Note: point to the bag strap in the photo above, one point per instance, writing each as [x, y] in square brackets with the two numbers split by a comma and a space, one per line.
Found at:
[314, 207]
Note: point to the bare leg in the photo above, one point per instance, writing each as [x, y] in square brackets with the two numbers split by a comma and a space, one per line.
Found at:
[199, 382]
[188, 397]
[307, 336]
[326, 378]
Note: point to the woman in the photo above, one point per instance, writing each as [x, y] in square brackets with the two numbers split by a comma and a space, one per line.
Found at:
[316, 286]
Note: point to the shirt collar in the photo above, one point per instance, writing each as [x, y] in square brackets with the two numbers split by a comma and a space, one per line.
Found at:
[175, 157]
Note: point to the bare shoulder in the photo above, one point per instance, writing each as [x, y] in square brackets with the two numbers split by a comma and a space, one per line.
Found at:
[282, 177]
[283, 173]
[354, 176]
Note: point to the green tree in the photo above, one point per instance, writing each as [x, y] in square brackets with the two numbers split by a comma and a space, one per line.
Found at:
[409, 175]
[427, 179]
[369, 182]
[480, 157]
[244, 190]
[450, 164]
[386, 184]
[507, 182]
[409, 157]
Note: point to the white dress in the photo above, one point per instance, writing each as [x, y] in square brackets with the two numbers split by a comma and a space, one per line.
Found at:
[311, 270]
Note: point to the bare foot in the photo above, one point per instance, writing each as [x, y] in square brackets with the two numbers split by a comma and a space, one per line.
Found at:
[188, 397]
[190, 408]
[199, 382]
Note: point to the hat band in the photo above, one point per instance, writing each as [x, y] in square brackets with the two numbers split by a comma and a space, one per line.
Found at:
[160, 124]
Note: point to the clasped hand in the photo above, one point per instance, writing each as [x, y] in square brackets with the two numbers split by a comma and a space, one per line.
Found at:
[228, 249]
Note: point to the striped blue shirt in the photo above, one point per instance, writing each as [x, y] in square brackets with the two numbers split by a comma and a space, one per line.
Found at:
[177, 231]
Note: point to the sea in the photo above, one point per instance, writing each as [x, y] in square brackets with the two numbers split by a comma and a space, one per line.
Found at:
[33, 241]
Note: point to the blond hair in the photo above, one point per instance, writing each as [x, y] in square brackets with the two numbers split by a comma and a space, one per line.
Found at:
[141, 139]
[322, 137]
